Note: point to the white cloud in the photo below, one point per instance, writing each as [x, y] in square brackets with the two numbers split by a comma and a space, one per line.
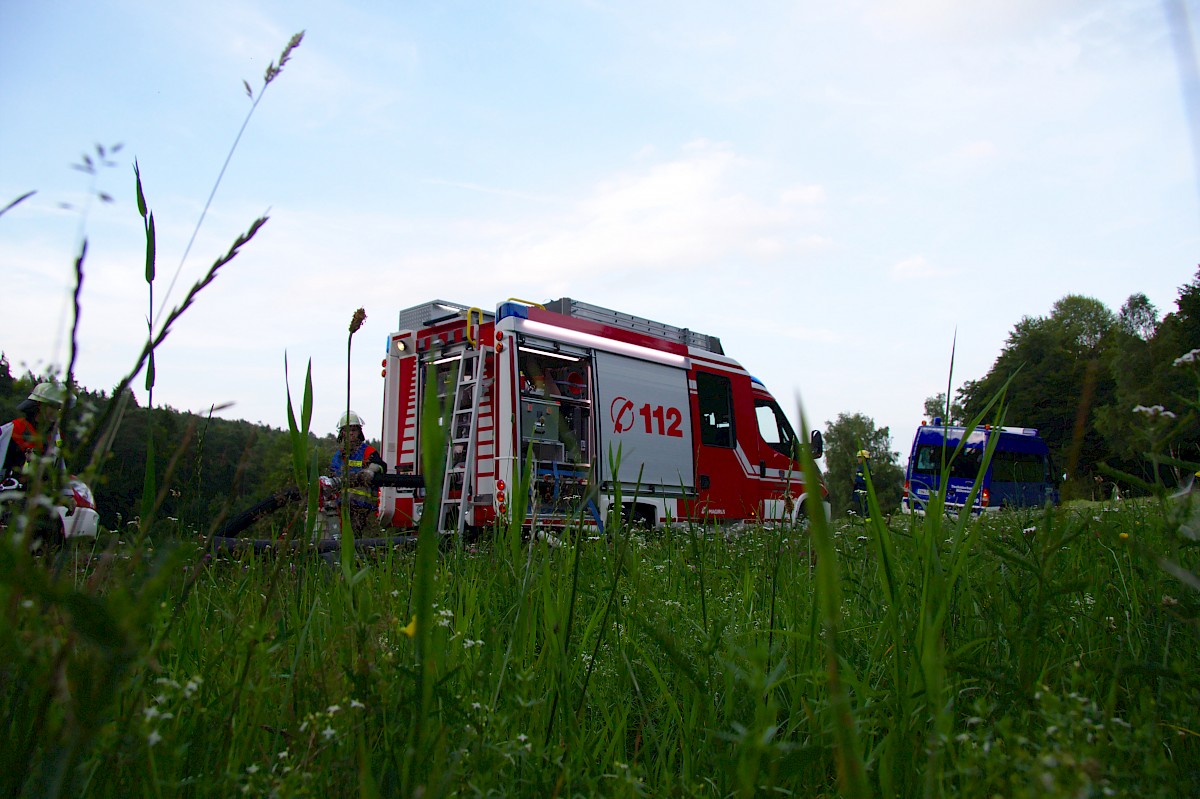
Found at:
[701, 207]
[917, 268]
[968, 23]
[804, 195]
[976, 151]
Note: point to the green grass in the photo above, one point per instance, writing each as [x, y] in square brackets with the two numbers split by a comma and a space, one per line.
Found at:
[687, 663]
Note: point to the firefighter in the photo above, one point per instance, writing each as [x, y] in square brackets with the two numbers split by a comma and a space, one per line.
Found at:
[358, 462]
[34, 432]
[860, 482]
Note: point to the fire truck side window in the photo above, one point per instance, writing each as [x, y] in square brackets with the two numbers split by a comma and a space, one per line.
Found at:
[774, 427]
[715, 398]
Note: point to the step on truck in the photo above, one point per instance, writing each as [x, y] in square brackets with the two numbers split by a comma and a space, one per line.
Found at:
[599, 404]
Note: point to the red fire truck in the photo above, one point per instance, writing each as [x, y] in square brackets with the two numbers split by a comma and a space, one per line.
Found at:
[601, 404]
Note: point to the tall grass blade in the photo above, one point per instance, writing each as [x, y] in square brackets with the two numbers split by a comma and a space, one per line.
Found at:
[433, 458]
[851, 768]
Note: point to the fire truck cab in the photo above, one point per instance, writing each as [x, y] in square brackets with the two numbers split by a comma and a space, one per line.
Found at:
[600, 404]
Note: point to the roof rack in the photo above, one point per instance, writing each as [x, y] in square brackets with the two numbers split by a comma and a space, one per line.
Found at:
[438, 311]
[594, 313]
[433, 313]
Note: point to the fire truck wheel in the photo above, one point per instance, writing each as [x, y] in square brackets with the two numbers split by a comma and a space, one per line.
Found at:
[638, 515]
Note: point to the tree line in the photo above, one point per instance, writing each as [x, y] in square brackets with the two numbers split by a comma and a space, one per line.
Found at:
[207, 467]
[1116, 396]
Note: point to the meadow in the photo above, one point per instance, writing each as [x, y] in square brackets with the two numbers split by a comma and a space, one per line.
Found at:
[1024, 654]
[1051, 653]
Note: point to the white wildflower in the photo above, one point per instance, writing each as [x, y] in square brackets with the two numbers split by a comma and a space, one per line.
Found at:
[252, 768]
[328, 733]
[1153, 411]
[1186, 358]
[333, 709]
[354, 703]
[151, 713]
[153, 737]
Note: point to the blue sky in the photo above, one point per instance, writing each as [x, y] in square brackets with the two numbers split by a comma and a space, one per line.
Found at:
[836, 190]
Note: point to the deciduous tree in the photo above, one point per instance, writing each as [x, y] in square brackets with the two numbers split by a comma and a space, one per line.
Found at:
[1058, 370]
[844, 437]
[935, 408]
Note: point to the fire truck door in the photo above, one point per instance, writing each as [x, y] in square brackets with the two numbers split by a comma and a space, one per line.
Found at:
[722, 483]
[643, 412]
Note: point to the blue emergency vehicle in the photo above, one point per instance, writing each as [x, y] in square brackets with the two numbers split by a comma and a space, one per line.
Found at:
[1019, 475]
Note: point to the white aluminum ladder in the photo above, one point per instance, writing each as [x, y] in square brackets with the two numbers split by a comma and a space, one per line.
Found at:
[461, 442]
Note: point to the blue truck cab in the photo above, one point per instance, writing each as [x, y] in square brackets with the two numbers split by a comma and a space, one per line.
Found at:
[1020, 473]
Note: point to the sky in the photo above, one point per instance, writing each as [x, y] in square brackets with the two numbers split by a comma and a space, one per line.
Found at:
[844, 193]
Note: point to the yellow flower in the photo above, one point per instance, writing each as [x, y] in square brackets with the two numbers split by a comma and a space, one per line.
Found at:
[1124, 536]
[411, 629]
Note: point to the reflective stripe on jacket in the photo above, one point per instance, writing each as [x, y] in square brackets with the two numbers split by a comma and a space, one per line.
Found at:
[360, 456]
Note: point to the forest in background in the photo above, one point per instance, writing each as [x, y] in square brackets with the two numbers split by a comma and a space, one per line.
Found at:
[1111, 392]
[208, 467]
[1116, 396]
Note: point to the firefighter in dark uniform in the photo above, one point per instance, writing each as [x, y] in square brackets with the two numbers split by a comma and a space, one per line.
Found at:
[860, 483]
[357, 462]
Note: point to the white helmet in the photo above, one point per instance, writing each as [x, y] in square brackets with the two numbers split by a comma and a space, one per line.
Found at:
[349, 419]
[48, 393]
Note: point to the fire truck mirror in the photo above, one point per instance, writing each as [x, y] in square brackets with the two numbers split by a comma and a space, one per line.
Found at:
[818, 444]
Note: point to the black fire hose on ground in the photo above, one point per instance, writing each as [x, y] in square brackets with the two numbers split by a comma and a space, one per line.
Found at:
[229, 544]
[241, 521]
[227, 538]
